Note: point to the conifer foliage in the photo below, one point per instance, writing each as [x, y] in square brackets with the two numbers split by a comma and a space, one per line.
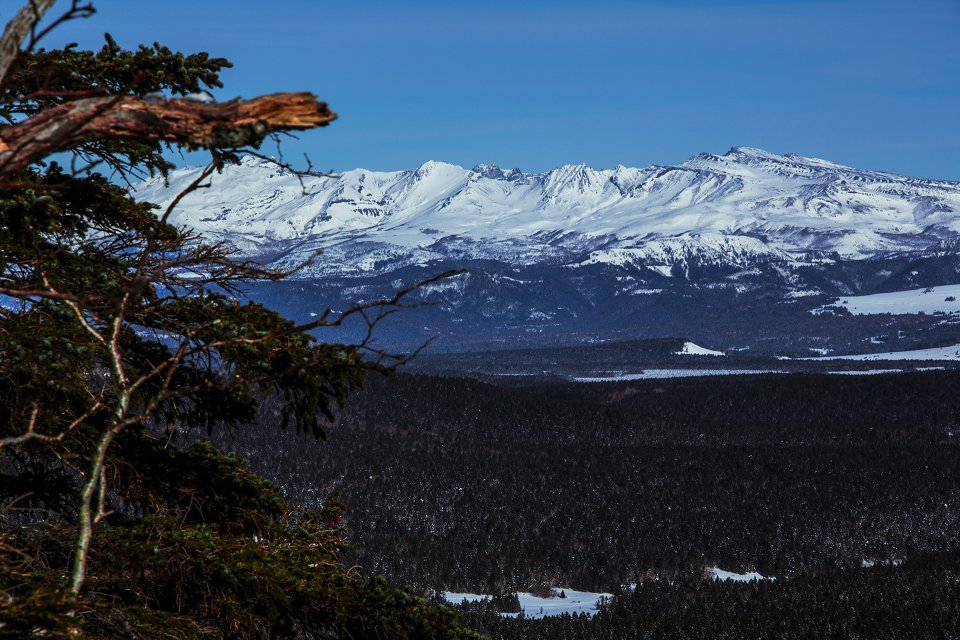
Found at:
[117, 329]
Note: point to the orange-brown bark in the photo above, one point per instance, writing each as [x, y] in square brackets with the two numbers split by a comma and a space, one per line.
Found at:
[237, 123]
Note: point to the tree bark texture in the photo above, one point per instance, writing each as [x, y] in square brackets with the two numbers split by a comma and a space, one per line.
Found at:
[233, 124]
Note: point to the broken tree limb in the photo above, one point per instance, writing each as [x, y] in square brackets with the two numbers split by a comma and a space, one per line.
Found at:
[233, 124]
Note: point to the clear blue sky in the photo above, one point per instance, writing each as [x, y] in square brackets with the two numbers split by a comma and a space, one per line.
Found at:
[874, 84]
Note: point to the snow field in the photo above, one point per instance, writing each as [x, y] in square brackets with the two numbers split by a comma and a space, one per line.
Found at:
[732, 209]
[945, 299]
[577, 602]
[691, 349]
[936, 353]
[658, 374]
[716, 573]
[536, 607]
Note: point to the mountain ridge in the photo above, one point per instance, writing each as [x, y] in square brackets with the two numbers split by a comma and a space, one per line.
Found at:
[745, 250]
[746, 204]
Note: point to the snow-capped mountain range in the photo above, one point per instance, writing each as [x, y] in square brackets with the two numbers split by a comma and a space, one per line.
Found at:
[736, 209]
[746, 250]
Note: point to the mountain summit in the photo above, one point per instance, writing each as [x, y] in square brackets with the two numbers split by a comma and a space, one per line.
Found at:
[731, 209]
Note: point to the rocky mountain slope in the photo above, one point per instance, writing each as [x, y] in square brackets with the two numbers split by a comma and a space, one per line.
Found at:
[745, 206]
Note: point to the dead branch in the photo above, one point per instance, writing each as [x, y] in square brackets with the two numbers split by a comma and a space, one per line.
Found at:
[384, 306]
[233, 124]
[32, 434]
[18, 29]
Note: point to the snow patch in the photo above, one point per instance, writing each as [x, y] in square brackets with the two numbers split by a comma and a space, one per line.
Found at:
[870, 563]
[691, 349]
[716, 573]
[937, 353]
[537, 607]
[575, 603]
[867, 372]
[657, 374]
[929, 300]
[454, 597]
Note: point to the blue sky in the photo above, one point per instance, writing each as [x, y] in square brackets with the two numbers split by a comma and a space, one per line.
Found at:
[537, 84]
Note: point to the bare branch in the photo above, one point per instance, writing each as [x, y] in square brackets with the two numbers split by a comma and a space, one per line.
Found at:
[24, 556]
[76, 10]
[17, 31]
[45, 293]
[193, 186]
[384, 305]
[233, 124]
[31, 433]
[286, 166]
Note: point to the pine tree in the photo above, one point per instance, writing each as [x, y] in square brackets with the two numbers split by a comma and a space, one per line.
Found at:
[117, 332]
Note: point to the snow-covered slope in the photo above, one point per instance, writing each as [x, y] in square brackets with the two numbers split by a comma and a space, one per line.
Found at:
[925, 300]
[736, 209]
[691, 349]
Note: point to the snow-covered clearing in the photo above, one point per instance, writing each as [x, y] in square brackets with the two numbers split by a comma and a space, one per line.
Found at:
[585, 602]
[454, 597]
[691, 349]
[656, 374]
[717, 573]
[535, 607]
[936, 353]
[945, 299]
[867, 372]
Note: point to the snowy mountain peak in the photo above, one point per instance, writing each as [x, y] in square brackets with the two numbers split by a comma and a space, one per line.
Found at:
[751, 152]
[434, 166]
[253, 161]
[744, 205]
